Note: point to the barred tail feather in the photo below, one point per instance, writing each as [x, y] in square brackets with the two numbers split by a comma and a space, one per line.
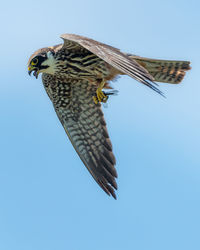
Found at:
[164, 70]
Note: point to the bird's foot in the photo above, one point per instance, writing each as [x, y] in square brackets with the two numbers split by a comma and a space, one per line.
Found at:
[100, 96]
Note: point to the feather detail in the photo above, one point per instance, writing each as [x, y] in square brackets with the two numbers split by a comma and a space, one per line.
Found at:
[85, 126]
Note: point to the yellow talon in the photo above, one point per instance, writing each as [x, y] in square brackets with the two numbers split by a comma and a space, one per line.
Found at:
[100, 95]
[95, 100]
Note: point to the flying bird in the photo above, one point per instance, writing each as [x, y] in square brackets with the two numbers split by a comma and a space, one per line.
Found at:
[75, 75]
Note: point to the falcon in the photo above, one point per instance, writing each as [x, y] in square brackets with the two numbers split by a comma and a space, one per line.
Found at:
[75, 75]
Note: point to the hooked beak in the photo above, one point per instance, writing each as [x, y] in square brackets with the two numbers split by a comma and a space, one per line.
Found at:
[35, 73]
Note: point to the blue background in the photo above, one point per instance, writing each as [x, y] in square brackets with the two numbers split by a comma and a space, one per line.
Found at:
[48, 200]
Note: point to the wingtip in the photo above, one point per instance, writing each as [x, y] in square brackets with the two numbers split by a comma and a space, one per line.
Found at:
[108, 189]
[112, 194]
[112, 191]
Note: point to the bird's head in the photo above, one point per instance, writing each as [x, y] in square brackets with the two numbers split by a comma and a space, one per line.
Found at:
[42, 61]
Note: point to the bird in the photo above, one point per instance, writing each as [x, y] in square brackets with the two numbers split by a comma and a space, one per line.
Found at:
[75, 75]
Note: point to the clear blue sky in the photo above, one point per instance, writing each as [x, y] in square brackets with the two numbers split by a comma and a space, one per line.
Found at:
[48, 200]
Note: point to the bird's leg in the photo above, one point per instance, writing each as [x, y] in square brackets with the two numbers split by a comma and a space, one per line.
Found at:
[100, 95]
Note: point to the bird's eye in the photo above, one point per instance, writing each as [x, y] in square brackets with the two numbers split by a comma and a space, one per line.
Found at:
[34, 61]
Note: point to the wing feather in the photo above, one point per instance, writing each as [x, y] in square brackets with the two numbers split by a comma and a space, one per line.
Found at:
[112, 56]
[85, 126]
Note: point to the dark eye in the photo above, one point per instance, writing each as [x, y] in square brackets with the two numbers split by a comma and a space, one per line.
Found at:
[34, 61]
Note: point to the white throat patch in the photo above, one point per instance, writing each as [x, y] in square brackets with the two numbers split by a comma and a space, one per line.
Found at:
[49, 62]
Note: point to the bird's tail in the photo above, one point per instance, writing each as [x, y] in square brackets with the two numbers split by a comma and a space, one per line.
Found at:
[164, 70]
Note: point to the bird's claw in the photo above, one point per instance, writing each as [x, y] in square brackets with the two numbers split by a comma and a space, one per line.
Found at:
[100, 97]
[105, 96]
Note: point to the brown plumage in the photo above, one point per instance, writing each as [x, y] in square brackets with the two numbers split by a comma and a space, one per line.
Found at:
[167, 71]
[74, 73]
[85, 126]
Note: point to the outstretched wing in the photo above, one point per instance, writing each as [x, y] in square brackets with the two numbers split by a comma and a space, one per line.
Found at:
[113, 56]
[85, 126]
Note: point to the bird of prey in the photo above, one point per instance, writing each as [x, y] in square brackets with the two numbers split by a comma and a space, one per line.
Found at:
[74, 75]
